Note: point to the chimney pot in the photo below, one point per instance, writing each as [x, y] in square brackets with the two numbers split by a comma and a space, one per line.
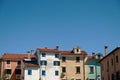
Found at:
[57, 47]
[106, 49]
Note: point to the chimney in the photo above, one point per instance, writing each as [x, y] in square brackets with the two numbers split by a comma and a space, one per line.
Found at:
[106, 49]
[32, 51]
[93, 53]
[28, 52]
[46, 48]
[57, 47]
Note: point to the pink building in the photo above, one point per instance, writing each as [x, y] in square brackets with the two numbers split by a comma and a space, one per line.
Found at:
[12, 66]
[110, 65]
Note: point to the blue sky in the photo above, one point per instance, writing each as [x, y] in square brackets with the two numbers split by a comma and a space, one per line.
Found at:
[31, 24]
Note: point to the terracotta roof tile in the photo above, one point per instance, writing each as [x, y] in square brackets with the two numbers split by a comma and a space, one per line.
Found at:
[71, 53]
[16, 56]
[48, 50]
[0, 57]
[31, 65]
[90, 57]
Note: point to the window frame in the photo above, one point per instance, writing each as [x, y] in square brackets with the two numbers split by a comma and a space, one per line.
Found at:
[91, 69]
[63, 69]
[56, 73]
[63, 59]
[77, 69]
[56, 63]
[43, 54]
[8, 62]
[77, 59]
[43, 73]
[17, 71]
[8, 71]
[56, 55]
[29, 71]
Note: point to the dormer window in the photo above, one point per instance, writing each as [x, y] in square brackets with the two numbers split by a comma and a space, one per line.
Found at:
[77, 59]
[8, 61]
[56, 55]
[19, 63]
[43, 54]
[77, 50]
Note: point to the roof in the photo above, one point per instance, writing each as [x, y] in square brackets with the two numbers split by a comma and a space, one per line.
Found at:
[16, 56]
[0, 57]
[90, 58]
[31, 65]
[48, 50]
[110, 53]
[72, 53]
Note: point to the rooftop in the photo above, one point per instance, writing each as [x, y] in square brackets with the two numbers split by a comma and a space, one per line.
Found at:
[16, 56]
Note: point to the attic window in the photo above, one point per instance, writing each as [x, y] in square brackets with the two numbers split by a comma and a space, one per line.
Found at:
[8, 61]
[77, 50]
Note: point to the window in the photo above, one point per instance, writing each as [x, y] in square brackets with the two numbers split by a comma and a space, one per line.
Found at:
[7, 71]
[112, 77]
[43, 62]
[56, 63]
[107, 66]
[43, 73]
[116, 59]
[112, 62]
[77, 50]
[63, 58]
[91, 70]
[56, 55]
[77, 70]
[8, 61]
[117, 75]
[43, 55]
[64, 69]
[77, 59]
[56, 73]
[29, 72]
[19, 62]
[18, 71]
[102, 66]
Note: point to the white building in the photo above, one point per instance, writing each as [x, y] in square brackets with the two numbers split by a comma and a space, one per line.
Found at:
[31, 70]
[48, 60]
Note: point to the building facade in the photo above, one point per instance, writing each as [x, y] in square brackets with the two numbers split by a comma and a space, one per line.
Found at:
[94, 67]
[48, 60]
[72, 64]
[0, 66]
[12, 66]
[110, 65]
[31, 69]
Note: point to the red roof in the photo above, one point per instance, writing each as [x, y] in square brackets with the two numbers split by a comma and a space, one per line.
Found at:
[0, 57]
[31, 65]
[48, 50]
[90, 57]
[72, 53]
[16, 56]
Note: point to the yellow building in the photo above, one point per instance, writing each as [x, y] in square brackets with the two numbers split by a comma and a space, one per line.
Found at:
[73, 64]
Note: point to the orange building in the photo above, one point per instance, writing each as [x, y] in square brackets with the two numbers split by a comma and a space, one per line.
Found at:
[110, 65]
[12, 66]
